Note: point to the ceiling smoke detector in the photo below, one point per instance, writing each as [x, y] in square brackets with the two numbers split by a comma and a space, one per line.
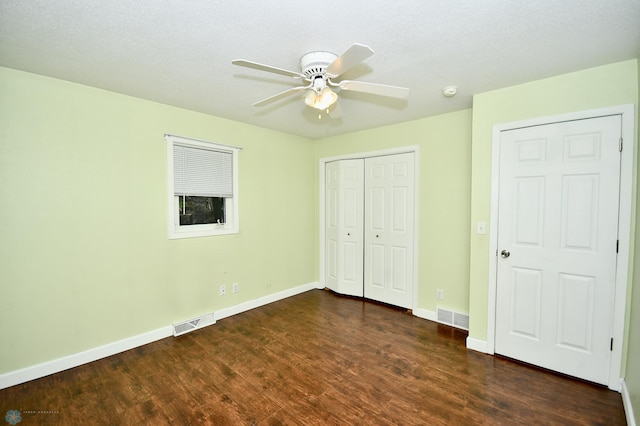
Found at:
[450, 91]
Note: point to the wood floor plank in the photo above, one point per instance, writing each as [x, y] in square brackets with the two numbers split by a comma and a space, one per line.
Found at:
[313, 359]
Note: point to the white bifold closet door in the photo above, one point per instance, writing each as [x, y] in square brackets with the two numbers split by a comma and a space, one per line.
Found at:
[369, 228]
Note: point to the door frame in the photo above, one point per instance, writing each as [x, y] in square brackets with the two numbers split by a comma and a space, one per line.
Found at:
[624, 224]
[321, 217]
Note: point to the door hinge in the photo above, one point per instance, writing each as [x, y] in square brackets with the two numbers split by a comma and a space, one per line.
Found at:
[611, 348]
[620, 145]
[617, 245]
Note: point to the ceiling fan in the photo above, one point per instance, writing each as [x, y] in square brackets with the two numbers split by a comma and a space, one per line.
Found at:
[319, 71]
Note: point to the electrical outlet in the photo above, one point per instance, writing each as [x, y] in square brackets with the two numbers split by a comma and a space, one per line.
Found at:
[223, 290]
[440, 294]
[236, 288]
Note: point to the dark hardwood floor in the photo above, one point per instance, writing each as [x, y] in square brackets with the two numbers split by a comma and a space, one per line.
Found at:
[316, 358]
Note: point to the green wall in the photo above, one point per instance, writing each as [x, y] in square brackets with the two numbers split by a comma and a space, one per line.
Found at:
[632, 378]
[85, 258]
[444, 144]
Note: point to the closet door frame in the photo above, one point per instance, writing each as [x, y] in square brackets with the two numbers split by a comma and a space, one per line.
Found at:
[322, 206]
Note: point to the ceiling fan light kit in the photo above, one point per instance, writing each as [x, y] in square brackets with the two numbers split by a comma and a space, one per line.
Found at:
[322, 99]
[318, 69]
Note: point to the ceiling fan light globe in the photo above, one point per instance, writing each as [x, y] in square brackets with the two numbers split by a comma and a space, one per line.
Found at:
[311, 98]
[325, 99]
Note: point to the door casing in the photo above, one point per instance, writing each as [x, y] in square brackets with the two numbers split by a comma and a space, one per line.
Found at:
[624, 225]
[322, 231]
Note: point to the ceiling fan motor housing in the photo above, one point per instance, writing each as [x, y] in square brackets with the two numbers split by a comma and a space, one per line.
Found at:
[314, 64]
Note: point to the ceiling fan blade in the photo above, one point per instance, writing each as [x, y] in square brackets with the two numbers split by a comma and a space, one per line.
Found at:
[375, 89]
[349, 59]
[280, 95]
[268, 68]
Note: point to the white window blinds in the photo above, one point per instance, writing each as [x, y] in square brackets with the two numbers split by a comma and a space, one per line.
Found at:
[202, 172]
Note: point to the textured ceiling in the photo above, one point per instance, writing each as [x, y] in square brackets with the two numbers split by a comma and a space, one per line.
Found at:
[179, 52]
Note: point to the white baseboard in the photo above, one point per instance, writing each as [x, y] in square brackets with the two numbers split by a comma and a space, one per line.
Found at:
[55, 366]
[17, 377]
[477, 345]
[256, 303]
[474, 344]
[425, 314]
[626, 402]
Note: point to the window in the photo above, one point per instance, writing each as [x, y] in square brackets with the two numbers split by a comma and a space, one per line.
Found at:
[203, 191]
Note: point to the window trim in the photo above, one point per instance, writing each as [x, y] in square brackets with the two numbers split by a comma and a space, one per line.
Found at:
[232, 223]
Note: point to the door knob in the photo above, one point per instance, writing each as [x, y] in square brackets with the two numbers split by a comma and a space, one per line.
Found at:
[505, 253]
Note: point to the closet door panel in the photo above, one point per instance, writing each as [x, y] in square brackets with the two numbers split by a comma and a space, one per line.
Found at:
[344, 226]
[388, 236]
[332, 172]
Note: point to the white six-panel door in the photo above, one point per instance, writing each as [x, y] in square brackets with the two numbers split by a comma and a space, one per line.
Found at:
[344, 199]
[388, 238]
[557, 236]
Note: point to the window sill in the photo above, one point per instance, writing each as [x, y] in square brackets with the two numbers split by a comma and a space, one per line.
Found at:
[196, 233]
